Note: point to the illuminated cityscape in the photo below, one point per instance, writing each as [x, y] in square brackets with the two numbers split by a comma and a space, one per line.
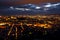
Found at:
[32, 27]
[29, 19]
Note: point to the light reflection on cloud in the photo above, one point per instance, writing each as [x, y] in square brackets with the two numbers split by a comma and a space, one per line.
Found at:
[22, 9]
[11, 7]
[51, 5]
[27, 9]
[48, 5]
[38, 7]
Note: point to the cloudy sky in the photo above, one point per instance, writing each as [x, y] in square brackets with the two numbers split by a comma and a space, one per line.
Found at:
[11, 7]
[16, 2]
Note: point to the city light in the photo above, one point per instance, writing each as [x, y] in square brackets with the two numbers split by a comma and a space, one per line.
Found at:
[18, 26]
[2, 23]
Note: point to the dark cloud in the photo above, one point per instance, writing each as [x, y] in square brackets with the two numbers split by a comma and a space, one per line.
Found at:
[11, 10]
[5, 4]
[18, 2]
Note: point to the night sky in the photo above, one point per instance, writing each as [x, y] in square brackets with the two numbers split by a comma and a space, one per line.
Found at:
[16, 2]
[6, 4]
